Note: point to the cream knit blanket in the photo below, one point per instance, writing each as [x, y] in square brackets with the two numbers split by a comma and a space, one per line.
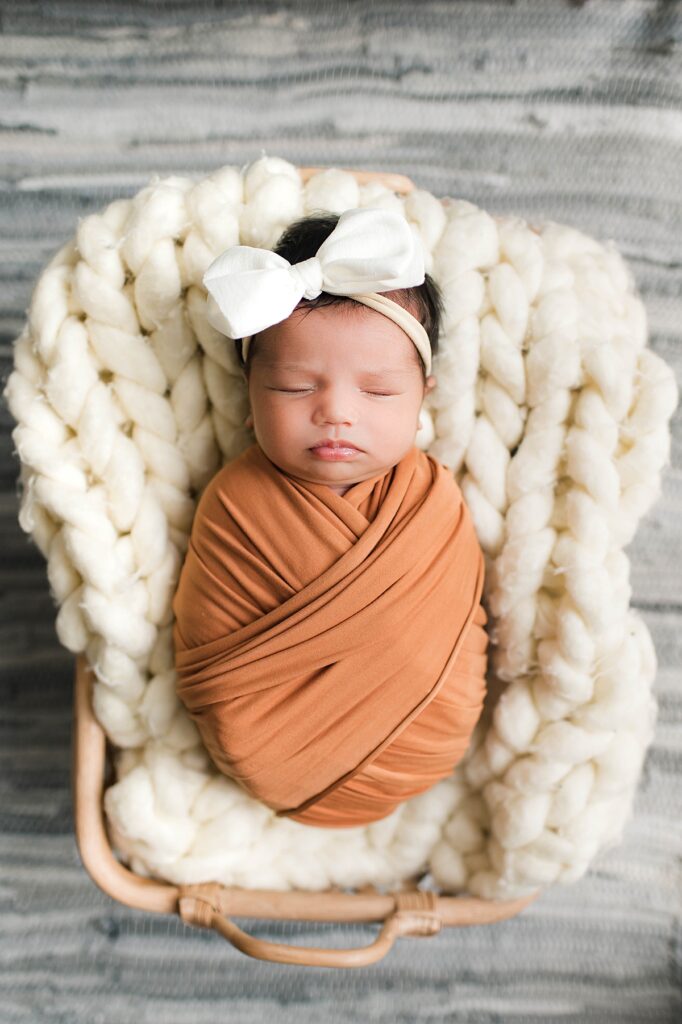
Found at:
[550, 410]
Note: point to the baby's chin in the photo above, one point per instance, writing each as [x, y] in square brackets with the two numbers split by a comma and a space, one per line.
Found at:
[337, 476]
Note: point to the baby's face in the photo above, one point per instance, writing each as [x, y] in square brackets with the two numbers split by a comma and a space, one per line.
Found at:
[340, 372]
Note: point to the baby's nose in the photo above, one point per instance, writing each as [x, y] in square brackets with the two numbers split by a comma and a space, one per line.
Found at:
[336, 405]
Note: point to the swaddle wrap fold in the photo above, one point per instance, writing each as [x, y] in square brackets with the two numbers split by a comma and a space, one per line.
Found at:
[330, 648]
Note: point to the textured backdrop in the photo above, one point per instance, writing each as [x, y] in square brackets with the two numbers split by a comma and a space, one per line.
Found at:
[551, 110]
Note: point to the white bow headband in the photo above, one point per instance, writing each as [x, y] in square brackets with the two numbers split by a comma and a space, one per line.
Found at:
[370, 250]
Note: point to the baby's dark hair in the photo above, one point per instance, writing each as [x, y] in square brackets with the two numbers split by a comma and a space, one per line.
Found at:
[301, 240]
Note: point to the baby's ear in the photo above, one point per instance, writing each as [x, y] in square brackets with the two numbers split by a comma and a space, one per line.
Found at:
[429, 384]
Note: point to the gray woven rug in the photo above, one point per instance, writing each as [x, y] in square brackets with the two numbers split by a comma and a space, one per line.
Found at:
[552, 110]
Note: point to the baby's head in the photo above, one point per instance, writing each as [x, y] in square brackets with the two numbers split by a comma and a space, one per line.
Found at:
[338, 369]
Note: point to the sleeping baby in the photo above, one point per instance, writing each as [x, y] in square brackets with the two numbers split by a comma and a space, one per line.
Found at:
[329, 633]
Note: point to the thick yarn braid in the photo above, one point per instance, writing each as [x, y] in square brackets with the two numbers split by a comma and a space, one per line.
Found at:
[552, 414]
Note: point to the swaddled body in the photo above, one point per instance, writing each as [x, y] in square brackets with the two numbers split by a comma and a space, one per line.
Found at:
[330, 648]
[329, 632]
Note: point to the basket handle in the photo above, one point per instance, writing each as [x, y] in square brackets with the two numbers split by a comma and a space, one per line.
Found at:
[415, 914]
[399, 183]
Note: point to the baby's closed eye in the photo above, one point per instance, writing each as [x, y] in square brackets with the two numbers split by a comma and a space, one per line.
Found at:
[304, 391]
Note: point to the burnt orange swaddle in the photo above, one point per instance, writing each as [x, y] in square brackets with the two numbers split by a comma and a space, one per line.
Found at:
[330, 648]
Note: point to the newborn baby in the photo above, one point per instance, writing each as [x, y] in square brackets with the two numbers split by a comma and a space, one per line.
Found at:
[329, 636]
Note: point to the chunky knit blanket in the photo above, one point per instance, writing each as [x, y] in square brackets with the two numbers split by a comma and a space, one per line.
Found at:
[549, 409]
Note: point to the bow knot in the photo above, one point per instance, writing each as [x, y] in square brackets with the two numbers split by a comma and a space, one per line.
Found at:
[311, 276]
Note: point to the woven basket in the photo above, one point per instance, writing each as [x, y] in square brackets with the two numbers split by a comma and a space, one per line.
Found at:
[408, 910]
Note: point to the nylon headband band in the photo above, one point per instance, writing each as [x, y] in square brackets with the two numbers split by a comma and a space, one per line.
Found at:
[401, 316]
